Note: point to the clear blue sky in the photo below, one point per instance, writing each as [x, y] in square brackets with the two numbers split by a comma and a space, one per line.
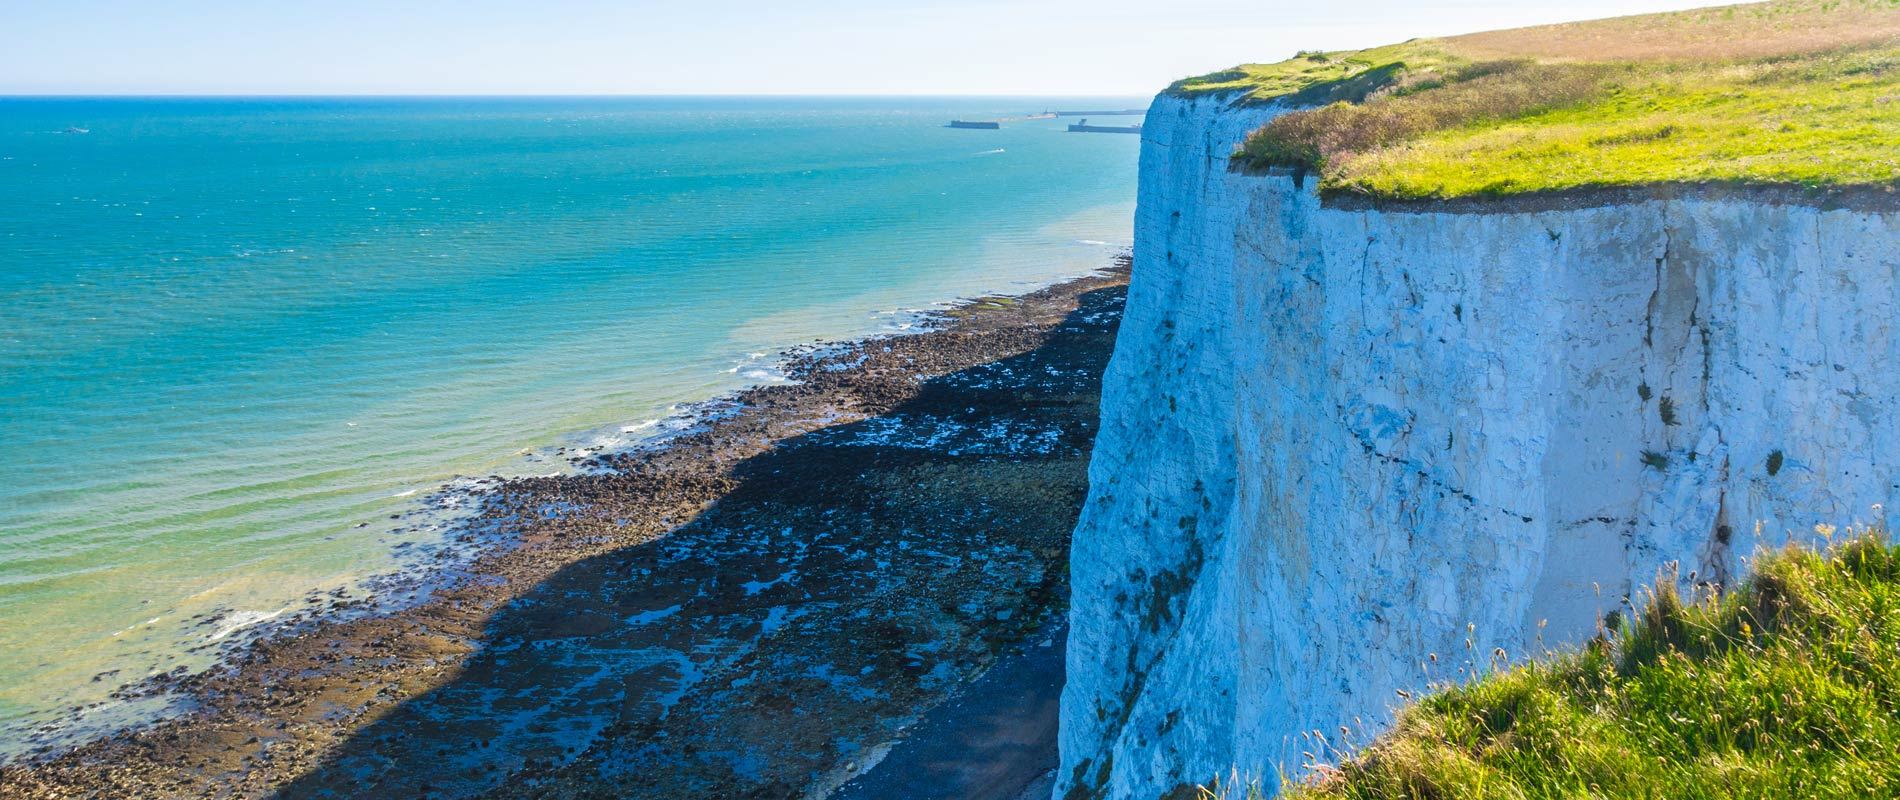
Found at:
[709, 46]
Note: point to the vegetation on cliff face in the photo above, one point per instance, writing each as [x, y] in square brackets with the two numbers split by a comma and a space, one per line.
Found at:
[1793, 93]
[1788, 686]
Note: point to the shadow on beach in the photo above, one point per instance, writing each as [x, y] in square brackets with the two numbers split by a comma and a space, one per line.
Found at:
[850, 577]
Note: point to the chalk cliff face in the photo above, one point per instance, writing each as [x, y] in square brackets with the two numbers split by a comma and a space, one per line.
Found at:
[1339, 441]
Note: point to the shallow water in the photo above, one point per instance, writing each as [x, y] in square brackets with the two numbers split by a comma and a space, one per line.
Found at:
[234, 331]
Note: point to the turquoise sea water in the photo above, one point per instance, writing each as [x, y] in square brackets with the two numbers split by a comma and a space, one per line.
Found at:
[233, 331]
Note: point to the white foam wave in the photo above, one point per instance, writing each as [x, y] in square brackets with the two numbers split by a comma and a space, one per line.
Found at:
[240, 620]
[762, 375]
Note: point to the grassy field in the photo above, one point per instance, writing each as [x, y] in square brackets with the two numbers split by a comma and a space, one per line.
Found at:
[1790, 93]
[1787, 687]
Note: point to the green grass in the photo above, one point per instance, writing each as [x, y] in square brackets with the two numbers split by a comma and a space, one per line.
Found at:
[1823, 123]
[1786, 687]
[1314, 78]
[1802, 93]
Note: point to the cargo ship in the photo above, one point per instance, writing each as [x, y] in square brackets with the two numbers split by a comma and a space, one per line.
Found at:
[1085, 127]
[993, 124]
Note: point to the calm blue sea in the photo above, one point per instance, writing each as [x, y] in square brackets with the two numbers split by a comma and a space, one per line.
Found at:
[234, 331]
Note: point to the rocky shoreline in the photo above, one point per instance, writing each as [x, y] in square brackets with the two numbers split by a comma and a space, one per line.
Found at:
[755, 608]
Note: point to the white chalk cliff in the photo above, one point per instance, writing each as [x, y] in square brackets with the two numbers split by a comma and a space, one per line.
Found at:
[1337, 441]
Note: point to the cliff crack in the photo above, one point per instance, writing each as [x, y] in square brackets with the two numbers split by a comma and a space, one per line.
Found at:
[1425, 475]
[1655, 294]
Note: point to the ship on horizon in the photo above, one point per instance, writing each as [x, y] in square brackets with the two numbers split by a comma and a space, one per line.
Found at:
[1085, 127]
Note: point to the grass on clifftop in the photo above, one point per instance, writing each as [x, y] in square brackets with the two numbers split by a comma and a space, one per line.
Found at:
[1794, 93]
[1786, 688]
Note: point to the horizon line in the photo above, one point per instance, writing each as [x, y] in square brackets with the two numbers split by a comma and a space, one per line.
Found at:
[507, 95]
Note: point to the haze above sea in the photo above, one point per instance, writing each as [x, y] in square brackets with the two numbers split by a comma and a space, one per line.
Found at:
[238, 335]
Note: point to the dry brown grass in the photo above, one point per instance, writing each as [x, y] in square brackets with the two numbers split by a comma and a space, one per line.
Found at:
[1757, 30]
[1475, 93]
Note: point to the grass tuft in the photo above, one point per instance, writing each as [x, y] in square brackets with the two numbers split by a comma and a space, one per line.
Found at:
[1788, 686]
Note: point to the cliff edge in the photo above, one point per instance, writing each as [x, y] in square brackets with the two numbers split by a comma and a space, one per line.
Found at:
[1352, 438]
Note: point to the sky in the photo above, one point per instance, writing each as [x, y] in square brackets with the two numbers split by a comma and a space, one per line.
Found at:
[983, 47]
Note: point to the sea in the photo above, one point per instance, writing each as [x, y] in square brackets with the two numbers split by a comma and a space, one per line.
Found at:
[243, 341]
